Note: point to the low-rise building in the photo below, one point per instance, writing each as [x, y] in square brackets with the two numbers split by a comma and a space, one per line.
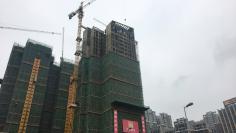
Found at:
[181, 125]
[184, 126]
[165, 123]
[200, 127]
[151, 121]
[211, 118]
[158, 124]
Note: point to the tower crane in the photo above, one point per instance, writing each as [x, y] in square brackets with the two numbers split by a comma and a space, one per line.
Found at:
[73, 87]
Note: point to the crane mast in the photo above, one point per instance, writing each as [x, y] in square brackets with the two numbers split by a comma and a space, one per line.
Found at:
[29, 97]
[73, 87]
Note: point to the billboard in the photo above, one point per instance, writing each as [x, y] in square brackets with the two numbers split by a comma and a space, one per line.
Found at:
[130, 126]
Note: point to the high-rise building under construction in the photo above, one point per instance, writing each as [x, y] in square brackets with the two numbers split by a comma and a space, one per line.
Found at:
[34, 91]
[33, 94]
[110, 96]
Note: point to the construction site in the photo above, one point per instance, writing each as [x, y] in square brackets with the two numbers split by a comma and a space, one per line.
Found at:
[99, 92]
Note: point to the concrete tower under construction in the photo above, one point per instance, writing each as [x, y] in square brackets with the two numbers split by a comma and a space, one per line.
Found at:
[110, 96]
[34, 91]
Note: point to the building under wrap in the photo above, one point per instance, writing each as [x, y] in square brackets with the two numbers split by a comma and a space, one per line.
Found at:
[33, 94]
[110, 96]
[58, 124]
[34, 91]
[9, 81]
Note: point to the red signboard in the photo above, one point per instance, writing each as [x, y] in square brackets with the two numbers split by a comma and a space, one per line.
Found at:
[130, 126]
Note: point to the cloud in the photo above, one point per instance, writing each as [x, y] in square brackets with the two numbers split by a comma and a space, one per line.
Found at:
[225, 50]
[180, 81]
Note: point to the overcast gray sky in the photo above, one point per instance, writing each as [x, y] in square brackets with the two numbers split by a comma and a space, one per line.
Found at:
[187, 48]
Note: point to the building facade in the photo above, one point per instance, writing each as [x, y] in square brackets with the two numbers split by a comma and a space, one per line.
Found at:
[8, 82]
[200, 127]
[218, 128]
[165, 123]
[211, 119]
[194, 126]
[228, 116]
[166, 120]
[29, 90]
[110, 89]
[61, 96]
[181, 125]
[151, 121]
[161, 123]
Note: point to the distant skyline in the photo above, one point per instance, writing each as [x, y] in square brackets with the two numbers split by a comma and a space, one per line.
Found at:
[187, 49]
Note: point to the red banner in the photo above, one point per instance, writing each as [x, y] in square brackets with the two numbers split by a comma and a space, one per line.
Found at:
[115, 122]
[130, 126]
[143, 124]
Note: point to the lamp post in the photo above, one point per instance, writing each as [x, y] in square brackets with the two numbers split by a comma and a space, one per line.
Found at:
[189, 104]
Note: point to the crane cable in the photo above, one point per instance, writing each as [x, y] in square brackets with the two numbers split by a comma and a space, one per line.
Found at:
[38, 31]
[29, 30]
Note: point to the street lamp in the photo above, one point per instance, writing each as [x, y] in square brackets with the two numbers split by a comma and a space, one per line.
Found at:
[189, 104]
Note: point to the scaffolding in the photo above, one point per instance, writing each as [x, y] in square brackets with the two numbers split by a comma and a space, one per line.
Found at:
[103, 81]
[46, 121]
[109, 71]
[8, 83]
[59, 115]
[25, 96]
